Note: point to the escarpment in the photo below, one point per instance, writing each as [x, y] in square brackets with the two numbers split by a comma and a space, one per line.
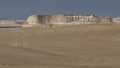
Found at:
[67, 19]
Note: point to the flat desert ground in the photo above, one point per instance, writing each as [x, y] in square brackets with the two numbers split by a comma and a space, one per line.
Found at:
[80, 46]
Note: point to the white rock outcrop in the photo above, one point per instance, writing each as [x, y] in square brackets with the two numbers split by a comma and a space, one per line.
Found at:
[116, 20]
[9, 23]
[36, 20]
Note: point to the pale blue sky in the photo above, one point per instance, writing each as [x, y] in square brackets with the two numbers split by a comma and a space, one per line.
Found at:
[21, 9]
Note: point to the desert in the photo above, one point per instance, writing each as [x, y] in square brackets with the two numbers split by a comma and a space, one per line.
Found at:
[78, 46]
[59, 34]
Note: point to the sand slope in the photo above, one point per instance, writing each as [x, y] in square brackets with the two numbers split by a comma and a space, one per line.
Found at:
[82, 46]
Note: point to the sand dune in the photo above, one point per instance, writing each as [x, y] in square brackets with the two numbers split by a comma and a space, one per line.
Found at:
[80, 46]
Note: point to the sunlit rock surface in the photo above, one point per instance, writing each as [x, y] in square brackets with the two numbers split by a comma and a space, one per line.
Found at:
[39, 20]
[116, 20]
[56, 20]
[9, 23]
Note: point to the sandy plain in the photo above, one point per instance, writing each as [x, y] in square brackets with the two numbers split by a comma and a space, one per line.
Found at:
[80, 46]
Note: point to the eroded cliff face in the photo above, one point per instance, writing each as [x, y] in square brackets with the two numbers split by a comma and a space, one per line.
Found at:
[67, 19]
[116, 20]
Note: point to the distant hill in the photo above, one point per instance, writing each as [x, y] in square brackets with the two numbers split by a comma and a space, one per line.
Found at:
[116, 20]
[67, 19]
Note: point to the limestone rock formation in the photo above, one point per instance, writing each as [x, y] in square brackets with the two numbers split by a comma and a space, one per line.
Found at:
[9, 23]
[116, 20]
[36, 20]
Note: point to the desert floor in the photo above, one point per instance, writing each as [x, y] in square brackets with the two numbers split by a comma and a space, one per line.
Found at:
[80, 46]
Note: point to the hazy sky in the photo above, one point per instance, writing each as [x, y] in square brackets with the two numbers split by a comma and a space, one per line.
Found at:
[21, 9]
